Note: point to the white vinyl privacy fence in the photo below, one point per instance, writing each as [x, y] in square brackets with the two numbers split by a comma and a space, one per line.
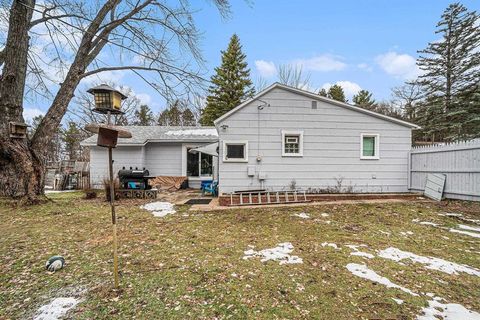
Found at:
[459, 162]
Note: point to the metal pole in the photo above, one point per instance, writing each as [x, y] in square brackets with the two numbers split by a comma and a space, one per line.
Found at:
[114, 216]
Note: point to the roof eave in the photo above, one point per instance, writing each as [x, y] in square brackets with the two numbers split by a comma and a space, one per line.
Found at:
[316, 97]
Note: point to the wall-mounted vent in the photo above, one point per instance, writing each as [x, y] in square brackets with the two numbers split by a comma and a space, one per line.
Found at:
[314, 104]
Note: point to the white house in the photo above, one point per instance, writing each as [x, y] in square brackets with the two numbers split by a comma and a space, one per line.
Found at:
[280, 139]
[161, 150]
[285, 137]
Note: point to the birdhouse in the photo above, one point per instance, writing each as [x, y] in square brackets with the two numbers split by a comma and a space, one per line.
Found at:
[107, 98]
[18, 130]
[107, 135]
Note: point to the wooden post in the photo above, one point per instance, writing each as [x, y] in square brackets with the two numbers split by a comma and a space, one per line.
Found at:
[114, 217]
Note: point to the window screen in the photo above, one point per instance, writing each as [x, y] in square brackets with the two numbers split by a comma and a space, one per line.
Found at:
[235, 151]
[292, 144]
[368, 147]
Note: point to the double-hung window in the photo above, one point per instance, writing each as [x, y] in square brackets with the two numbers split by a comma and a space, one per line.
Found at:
[369, 146]
[292, 143]
[235, 151]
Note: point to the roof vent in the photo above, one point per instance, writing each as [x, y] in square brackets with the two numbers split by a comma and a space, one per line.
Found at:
[314, 104]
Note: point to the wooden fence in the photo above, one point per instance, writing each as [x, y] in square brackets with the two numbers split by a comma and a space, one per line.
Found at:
[459, 161]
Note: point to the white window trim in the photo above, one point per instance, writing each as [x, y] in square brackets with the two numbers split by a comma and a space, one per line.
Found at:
[235, 142]
[300, 143]
[184, 163]
[377, 146]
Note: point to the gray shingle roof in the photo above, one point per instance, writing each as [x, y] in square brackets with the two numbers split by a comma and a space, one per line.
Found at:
[144, 134]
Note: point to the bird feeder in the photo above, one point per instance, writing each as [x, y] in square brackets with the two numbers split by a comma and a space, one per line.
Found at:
[107, 99]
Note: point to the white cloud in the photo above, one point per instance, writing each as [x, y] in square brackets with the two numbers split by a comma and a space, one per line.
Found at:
[364, 66]
[350, 88]
[144, 98]
[30, 113]
[322, 63]
[398, 65]
[266, 69]
[104, 77]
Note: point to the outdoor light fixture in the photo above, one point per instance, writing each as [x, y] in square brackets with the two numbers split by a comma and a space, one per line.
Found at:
[224, 127]
[108, 101]
[107, 98]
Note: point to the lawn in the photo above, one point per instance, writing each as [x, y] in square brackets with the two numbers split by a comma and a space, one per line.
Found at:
[190, 264]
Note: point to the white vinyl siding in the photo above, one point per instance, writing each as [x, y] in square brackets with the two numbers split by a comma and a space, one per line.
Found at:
[331, 147]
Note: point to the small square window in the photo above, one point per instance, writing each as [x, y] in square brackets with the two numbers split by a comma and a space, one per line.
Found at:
[235, 151]
[292, 143]
[369, 146]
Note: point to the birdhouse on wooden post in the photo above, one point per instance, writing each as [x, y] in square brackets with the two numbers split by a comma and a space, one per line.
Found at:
[107, 135]
[107, 99]
[18, 130]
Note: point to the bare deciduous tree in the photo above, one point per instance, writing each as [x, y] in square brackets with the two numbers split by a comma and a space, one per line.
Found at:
[293, 75]
[83, 39]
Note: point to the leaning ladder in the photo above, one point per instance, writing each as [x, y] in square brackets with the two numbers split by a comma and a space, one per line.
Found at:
[270, 197]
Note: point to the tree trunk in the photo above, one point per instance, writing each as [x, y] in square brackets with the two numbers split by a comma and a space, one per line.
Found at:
[21, 173]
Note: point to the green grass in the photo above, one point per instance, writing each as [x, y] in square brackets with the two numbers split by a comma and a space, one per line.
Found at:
[191, 266]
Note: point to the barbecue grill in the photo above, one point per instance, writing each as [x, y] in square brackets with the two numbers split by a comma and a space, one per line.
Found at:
[134, 179]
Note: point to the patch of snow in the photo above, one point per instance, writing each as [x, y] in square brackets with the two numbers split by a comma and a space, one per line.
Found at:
[362, 271]
[159, 209]
[407, 233]
[429, 262]
[362, 254]
[359, 253]
[56, 309]
[280, 253]
[428, 223]
[324, 214]
[450, 214]
[471, 234]
[398, 301]
[193, 132]
[333, 245]
[465, 227]
[447, 311]
[302, 215]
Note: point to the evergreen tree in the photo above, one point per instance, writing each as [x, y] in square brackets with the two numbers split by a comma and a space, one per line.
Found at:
[451, 70]
[322, 92]
[188, 118]
[71, 137]
[177, 114]
[364, 100]
[143, 116]
[231, 84]
[336, 93]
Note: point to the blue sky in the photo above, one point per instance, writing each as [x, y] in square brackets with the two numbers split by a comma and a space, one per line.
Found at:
[369, 44]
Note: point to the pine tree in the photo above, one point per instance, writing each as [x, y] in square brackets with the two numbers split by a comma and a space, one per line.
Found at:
[322, 92]
[177, 114]
[364, 100]
[143, 116]
[336, 93]
[450, 71]
[231, 84]
[188, 118]
[71, 137]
